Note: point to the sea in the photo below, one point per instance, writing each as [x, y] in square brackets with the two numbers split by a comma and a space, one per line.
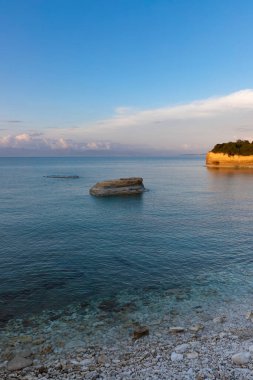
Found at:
[68, 259]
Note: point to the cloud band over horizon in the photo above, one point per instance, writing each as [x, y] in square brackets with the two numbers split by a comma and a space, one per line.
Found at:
[193, 127]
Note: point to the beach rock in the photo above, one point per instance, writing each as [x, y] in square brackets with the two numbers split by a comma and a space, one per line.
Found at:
[220, 319]
[192, 355]
[140, 332]
[241, 358]
[251, 348]
[176, 330]
[25, 353]
[182, 348]
[121, 186]
[176, 357]
[196, 328]
[249, 315]
[19, 362]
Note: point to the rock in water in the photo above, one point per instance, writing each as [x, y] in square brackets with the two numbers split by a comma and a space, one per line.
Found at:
[18, 362]
[121, 186]
[62, 176]
[140, 332]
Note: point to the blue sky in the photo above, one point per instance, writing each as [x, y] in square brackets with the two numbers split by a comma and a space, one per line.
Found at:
[96, 74]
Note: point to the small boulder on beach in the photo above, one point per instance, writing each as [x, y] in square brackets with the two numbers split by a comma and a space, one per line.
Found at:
[241, 358]
[121, 186]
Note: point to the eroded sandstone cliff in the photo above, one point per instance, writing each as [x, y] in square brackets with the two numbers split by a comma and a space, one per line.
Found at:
[225, 160]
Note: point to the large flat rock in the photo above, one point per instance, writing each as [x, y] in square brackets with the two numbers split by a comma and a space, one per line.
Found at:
[121, 186]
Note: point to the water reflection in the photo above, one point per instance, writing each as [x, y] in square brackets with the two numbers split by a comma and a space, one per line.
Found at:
[229, 171]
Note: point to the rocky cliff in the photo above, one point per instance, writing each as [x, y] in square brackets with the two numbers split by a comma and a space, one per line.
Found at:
[222, 159]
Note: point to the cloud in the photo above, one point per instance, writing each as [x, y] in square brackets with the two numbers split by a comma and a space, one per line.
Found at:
[192, 127]
[200, 109]
[11, 121]
[196, 124]
[39, 142]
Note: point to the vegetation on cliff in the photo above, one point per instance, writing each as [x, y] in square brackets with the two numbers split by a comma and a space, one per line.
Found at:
[239, 147]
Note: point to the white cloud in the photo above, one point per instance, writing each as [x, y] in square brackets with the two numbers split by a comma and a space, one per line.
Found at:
[199, 123]
[211, 107]
[192, 127]
[38, 142]
[23, 137]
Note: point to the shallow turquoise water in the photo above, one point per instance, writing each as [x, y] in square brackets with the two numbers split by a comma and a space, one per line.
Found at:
[58, 245]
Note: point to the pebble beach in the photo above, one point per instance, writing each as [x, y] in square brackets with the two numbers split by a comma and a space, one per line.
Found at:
[124, 344]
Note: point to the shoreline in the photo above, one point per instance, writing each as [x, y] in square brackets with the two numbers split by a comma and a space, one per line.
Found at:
[192, 353]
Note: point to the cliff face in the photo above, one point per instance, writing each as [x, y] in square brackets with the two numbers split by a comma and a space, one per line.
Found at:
[221, 160]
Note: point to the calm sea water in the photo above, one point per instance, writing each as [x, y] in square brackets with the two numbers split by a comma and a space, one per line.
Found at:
[192, 230]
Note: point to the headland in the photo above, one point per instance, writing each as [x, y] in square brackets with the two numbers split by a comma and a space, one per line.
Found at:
[237, 154]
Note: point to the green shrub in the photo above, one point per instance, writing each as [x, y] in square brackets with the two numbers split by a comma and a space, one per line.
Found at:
[239, 147]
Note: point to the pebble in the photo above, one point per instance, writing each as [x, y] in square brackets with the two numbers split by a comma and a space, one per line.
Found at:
[192, 355]
[220, 319]
[176, 330]
[251, 348]
[241, 357]
[176, 357]
[108, 352]
[196, 328]
[249, 315]
[182, 348]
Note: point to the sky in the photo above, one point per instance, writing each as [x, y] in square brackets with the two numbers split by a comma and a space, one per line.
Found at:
[124, 76]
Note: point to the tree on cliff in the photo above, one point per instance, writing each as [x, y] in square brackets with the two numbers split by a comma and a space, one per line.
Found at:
[239, 147]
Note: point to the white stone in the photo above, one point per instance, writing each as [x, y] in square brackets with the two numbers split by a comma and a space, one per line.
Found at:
[176, 357]
[196, 328]
[250, 348]
[192, 355]
[182, 348]
[219, 319]
[177, 329]
[249, 315]
[86, 362]
[241, 357]
[73, 361]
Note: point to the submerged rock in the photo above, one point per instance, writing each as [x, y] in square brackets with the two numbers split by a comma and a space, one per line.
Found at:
[121, 186]
[62, 176]
[220, 319]
[19, 362]
[140, 332]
